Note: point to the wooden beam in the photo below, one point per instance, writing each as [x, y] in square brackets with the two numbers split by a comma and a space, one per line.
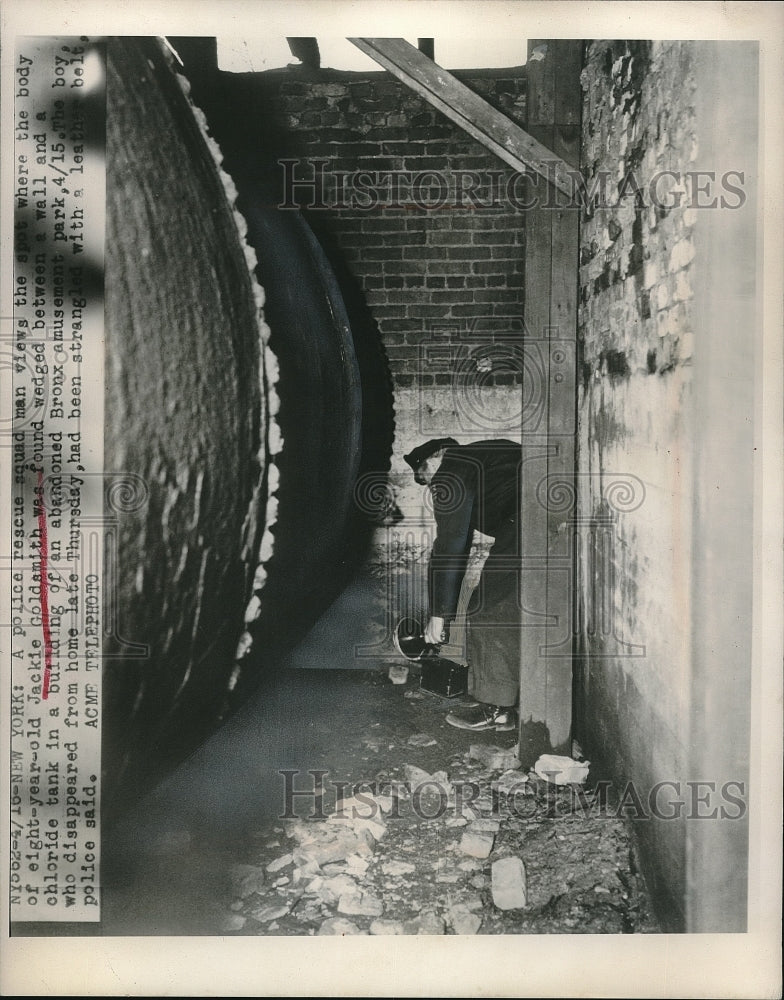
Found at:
[551, 258]
[472, 113]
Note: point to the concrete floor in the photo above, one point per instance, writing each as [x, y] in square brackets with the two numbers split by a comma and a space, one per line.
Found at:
[167, 864]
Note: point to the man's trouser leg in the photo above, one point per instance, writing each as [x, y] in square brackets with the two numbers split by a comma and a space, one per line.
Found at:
[493, 644]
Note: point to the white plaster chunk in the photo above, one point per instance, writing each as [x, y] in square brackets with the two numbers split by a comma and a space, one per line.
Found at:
[338, 927]
[357, 865]
[421, 740]
[448, 878]
[309, 870]
[387, 927]
[429, 791]
[492, 757]
[398, 868]
[281, 862]
[328, 843]
[486, 826]
[561, 770]
[384, 802]
[478, 843]
[415, 775]
[430, 923]
[360, 904]
[357, 808]
[510, 781]
[509, 886]
[376, 828]
[462, 920]
[270, 911]
[331, 889]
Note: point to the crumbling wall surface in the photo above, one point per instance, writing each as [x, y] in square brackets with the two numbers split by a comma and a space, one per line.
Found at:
[643, 269]
[634, 467]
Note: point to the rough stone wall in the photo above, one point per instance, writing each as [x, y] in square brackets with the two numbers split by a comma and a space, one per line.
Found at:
[636, 322]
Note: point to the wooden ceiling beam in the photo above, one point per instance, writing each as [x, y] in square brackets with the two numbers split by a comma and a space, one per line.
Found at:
[472, 113]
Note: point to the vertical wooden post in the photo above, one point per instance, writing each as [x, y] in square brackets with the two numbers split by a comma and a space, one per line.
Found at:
[548, 438]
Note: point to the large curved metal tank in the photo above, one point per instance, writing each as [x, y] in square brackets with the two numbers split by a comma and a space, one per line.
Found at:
[227, 537]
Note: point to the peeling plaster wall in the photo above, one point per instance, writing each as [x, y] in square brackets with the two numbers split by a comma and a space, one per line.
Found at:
[635, 329]
[644, 341]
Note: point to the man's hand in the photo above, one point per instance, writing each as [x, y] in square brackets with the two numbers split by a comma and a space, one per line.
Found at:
[434, 633]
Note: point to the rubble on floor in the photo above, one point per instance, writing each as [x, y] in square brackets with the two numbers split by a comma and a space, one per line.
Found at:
[475, 847]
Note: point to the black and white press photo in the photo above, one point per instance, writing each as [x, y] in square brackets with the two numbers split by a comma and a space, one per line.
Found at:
[394, 462]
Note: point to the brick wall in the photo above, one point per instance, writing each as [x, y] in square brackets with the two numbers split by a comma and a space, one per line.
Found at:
[646, 347]
[438, 251]
[635, 332]
[429, 226]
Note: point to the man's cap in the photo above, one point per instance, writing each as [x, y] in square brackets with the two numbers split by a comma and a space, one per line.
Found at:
[419, 455]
